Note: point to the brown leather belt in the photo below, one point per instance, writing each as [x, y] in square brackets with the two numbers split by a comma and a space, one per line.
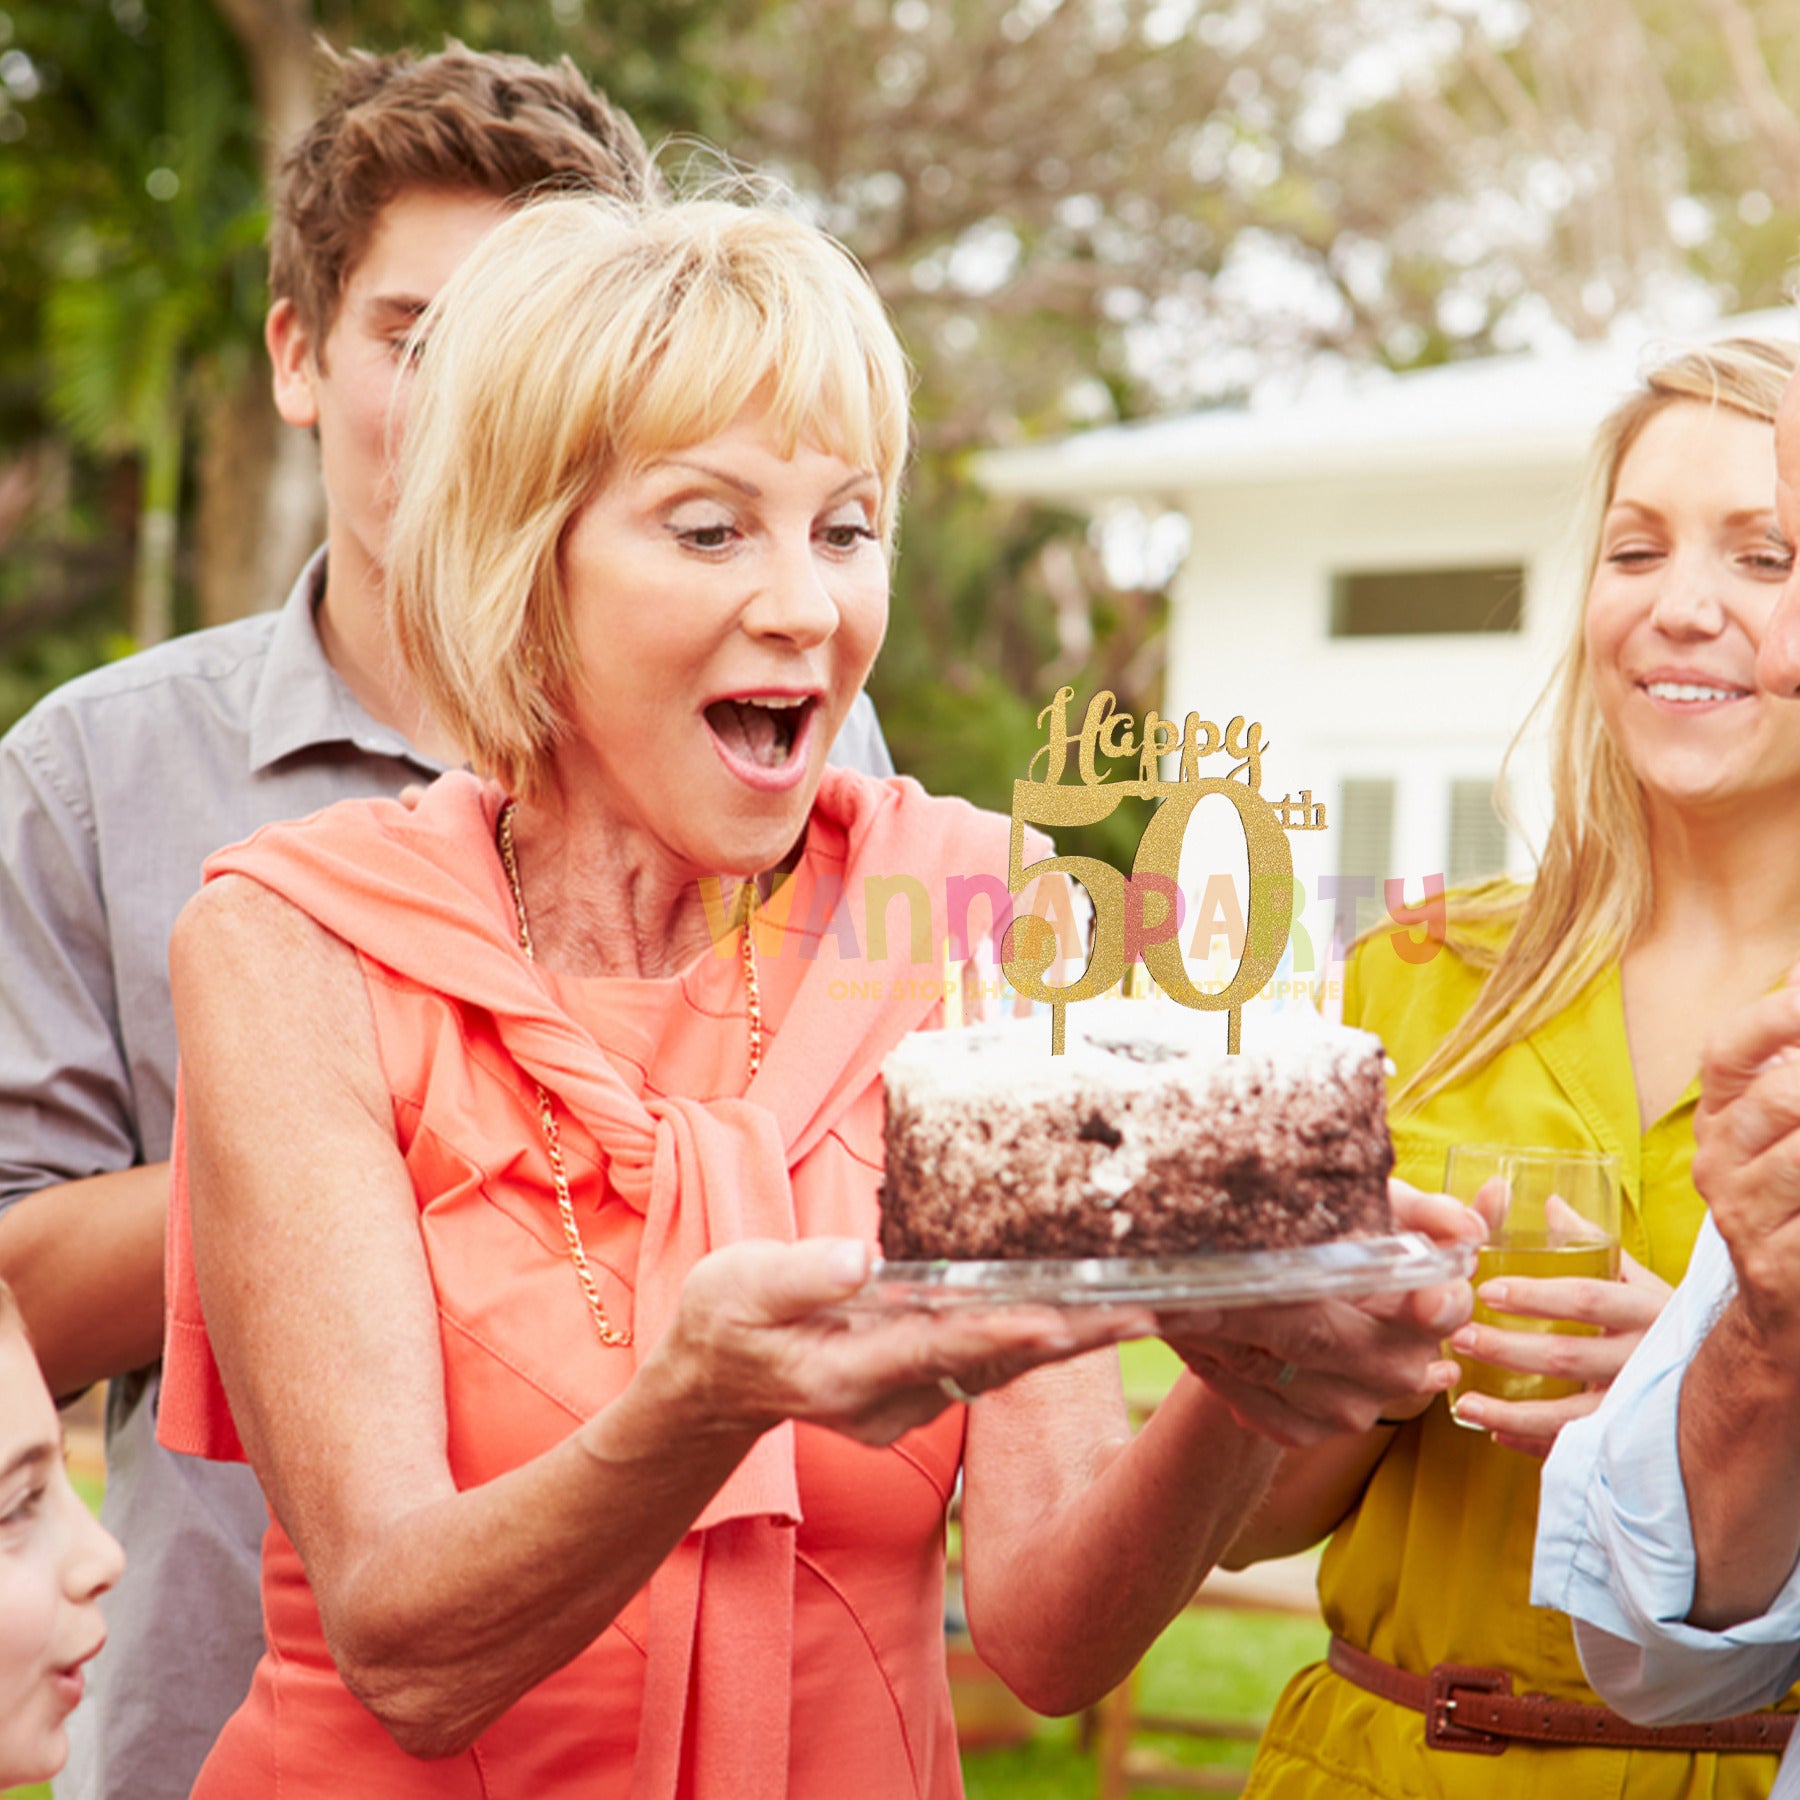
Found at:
[1471, 1708]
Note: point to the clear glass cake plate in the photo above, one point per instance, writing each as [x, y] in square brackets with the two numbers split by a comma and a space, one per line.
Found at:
[1350, 1268]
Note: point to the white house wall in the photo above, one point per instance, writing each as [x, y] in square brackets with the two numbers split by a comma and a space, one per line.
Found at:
[1249, 633]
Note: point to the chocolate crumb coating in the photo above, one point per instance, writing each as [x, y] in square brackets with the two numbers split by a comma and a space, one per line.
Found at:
[1144, 1141]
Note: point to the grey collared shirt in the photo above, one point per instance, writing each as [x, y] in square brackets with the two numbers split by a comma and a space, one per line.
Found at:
[113, 792]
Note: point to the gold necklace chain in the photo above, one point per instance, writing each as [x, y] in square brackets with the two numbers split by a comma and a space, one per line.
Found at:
[613, 1336]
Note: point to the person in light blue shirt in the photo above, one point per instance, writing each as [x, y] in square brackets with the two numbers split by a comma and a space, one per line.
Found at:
[1669, 1525]
[1615, 1547]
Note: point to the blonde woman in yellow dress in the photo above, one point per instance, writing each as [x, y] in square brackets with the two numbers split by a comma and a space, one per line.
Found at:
[1570, 1013]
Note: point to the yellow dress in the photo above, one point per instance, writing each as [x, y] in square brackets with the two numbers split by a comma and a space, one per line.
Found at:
[1434, 1564]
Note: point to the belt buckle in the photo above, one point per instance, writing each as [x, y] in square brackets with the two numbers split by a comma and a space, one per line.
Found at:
[1442, 1732]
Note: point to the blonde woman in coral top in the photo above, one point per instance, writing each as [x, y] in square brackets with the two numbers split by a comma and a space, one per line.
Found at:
[522, 1159]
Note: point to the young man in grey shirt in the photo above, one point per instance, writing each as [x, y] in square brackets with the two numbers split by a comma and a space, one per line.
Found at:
[115, 789]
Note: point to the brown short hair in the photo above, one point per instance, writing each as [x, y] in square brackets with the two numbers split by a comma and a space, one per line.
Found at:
[500, 125]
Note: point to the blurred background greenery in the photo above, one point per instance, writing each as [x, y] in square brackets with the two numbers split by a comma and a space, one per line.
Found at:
[1080, 211]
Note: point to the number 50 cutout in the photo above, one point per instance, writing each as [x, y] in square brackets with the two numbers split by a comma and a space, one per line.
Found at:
[1123, 929]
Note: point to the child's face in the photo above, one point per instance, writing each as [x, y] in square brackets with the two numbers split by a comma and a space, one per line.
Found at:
[55, 1563]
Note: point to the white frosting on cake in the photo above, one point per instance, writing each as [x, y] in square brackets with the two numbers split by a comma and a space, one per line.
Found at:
[1128, 1044]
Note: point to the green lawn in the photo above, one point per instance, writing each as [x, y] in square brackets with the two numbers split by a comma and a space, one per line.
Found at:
[1149, 1367]
[1222, 1664]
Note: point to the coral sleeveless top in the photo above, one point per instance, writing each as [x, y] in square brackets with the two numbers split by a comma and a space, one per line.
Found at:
[793, 1644]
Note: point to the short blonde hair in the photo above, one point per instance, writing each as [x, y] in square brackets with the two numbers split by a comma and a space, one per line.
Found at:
[582, 339]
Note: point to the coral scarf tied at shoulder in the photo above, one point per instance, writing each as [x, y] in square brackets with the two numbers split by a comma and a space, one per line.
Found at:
[420, 890]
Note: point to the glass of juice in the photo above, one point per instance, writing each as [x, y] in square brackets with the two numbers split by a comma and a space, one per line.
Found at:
[1549, 1213]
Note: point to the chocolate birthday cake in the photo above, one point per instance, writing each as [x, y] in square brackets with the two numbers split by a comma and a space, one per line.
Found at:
[1144, 1139]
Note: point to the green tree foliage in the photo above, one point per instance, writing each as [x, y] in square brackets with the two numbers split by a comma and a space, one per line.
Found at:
[134, 151]
[669, 63]
[974, 651]
[131, 225]
[1072, 207]
[1505, 171]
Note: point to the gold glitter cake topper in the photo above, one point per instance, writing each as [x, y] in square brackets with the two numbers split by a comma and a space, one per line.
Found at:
[1136, 917]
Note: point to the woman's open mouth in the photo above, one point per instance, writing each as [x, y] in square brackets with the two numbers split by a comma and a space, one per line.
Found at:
[764, 738]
